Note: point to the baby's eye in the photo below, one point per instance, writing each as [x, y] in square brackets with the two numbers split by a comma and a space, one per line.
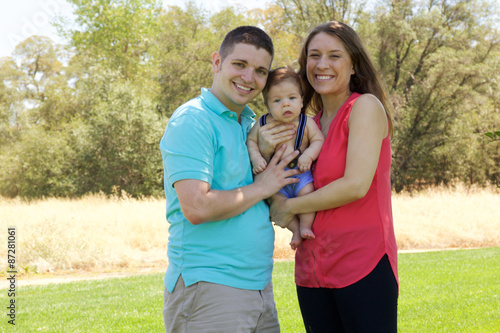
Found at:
[293, 97]
[276, 101]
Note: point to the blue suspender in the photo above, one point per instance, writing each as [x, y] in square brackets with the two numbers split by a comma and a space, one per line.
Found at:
[263, 120]
[300, 131]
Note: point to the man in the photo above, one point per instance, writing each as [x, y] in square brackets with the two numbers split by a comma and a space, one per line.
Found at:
[221, 239]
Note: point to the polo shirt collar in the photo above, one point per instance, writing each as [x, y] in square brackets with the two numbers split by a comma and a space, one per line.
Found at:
[217, 107]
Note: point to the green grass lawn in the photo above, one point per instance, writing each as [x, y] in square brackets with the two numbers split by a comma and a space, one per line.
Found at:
[446, 291]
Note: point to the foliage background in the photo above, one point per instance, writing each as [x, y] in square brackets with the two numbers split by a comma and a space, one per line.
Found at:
[87, 116]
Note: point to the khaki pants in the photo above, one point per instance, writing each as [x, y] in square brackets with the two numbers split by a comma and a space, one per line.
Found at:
[213, 308]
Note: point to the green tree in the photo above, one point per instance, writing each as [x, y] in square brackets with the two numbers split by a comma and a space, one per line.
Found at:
[183, 51]
[437, 59]
[116, 34]
[75, 130]
[25, 76]
[10, 101]
[117, 144]
[90, 119]
[301, 16]
[38, 59]
[35, 156]
[39, 164]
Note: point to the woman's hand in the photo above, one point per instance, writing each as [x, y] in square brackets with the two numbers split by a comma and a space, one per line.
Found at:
[273, 135]
[280, 214]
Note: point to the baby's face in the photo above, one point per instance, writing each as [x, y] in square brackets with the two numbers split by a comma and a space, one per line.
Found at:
[284, 101]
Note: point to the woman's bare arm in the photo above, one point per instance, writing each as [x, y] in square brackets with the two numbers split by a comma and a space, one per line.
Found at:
[367, 128]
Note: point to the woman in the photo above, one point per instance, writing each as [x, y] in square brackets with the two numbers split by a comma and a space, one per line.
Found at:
[346, 277]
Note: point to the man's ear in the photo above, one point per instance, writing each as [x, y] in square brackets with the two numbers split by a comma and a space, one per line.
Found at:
[216, 62]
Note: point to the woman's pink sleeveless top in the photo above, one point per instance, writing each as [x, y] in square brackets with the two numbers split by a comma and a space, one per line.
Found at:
[351, 239]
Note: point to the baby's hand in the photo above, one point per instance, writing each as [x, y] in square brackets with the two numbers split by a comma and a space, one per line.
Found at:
[259, 165]
[305, 163]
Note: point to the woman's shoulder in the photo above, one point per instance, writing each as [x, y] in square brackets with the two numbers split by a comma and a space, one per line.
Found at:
[367, 103]
[370, 110]
[367, 99]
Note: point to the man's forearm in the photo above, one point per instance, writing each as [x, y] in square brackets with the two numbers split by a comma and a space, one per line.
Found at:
[219, 205]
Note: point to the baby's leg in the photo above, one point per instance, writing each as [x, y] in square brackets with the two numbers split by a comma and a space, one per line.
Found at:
[296, 237]
[294, 228]
[306, 220]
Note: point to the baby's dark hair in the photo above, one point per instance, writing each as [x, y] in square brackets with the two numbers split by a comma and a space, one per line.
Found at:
[279, 75]
[247, 35]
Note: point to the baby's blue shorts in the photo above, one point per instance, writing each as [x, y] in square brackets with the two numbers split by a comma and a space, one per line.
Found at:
[292, 190]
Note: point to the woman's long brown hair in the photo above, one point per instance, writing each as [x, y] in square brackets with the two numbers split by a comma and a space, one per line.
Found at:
[365, 80]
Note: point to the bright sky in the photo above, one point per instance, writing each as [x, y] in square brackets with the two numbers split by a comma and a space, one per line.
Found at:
[20, 19]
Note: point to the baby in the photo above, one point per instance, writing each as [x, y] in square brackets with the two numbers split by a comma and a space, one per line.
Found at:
[283, 98]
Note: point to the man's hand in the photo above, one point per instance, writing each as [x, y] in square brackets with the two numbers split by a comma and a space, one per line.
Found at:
[274, 177]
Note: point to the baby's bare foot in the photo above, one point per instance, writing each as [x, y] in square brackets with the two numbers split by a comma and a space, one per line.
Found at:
[307, 233]
[296, 240]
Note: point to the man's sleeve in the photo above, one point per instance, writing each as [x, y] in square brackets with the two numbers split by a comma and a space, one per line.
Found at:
[187, 149]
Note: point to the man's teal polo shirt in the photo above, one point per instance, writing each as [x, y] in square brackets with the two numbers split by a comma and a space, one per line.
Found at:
[204, 141]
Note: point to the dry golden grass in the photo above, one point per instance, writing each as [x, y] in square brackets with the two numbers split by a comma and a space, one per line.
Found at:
[99, 234]
[438, 218]
[92, 233]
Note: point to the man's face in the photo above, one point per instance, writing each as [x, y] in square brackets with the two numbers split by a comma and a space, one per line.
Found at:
[241, 76]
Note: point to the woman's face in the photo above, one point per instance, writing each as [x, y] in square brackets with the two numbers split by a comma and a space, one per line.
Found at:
[329, 66]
